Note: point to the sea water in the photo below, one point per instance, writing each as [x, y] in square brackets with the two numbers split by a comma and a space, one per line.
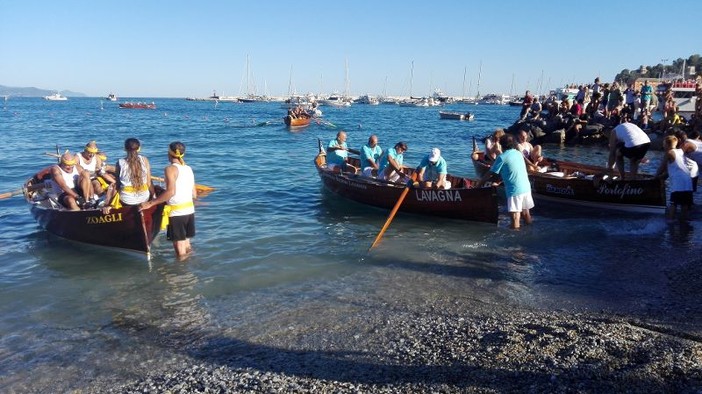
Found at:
[270, 240]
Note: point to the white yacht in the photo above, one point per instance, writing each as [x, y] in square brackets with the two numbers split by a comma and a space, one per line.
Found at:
[56, 97]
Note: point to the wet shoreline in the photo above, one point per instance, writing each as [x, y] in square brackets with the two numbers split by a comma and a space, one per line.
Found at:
[351, 342]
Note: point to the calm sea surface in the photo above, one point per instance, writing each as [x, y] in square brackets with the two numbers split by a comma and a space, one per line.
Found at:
[270, 240]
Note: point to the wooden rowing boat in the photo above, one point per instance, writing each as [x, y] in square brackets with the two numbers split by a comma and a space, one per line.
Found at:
[463, 201]
[590, 186]
[125, 228]
[301, 121]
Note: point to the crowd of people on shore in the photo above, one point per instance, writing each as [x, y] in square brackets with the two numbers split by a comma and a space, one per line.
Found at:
[597, 108]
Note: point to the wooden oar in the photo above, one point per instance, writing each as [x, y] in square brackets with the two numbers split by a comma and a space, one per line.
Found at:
[10, 194]
[392, 214]
[200, 188]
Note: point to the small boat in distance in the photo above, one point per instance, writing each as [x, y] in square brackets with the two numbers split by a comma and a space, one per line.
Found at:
[56, 97]
[111, 97]
[456, 115]
[139, 105]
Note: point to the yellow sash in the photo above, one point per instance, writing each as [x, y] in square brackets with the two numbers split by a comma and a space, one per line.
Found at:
[102, 182]
[115, 203]
[168, 208]
[132, 189]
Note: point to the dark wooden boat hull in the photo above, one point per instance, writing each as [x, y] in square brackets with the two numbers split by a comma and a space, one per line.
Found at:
[124, 228]
[589, 186]
[586, 185]
[461, 202]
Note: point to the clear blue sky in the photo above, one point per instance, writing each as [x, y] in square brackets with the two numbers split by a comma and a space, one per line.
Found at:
[179, 49]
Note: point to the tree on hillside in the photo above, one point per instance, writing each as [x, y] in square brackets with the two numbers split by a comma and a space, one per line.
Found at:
[675, 68]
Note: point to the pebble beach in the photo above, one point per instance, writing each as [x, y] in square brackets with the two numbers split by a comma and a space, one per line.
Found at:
[445, 344]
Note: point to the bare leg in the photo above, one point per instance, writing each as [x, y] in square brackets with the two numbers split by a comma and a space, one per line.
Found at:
[527, 216]
[182, 248]
[670, 212]
[620, 165]
[684, 209]
[515, 219]
[634, 167]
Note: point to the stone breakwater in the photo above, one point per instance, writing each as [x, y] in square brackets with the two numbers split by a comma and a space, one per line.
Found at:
[443, 346]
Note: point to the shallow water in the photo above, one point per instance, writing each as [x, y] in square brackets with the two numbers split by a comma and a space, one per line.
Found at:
[271, 241]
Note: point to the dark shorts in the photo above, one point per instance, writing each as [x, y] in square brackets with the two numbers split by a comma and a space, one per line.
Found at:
[180, 227]
[681, 198]
[635, 152]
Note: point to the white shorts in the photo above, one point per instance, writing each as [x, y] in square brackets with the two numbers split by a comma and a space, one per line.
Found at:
[394, 177]
[368, 172]
[520, 202]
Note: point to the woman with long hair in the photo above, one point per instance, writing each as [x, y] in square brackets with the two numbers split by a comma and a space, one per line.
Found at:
[134, 176]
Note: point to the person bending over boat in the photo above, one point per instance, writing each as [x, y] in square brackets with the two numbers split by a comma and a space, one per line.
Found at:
[532, 153]
[511, 167]
[390, 165]
[627, 140]
[338, 153]
[370, 156]
[432, 171]
[70, 186]
[90, 161]
[492, 145]
[679, 178]
[134, 177]
[179, 213]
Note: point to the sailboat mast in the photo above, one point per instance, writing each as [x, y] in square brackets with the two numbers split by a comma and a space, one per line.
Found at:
[411, 78]
[463, 94]
[480, 71]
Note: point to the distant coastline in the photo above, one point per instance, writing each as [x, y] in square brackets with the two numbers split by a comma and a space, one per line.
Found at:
[35, 92]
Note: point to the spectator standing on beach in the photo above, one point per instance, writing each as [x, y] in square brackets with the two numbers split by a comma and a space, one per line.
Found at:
[526, 105]
[627, 140]
[679, 179]
[646, 96]
[536, 109]
[630, 98]
[511, 167]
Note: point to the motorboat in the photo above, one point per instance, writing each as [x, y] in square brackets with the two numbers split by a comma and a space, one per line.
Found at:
[56, 97]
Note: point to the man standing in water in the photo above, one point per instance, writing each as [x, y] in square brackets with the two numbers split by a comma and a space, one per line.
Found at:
[179, 213]
[511, 166]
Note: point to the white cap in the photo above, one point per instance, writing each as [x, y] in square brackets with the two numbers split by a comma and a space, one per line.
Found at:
[435, 155]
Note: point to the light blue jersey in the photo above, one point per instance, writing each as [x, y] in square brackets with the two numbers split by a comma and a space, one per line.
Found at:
[511, 167]
[432, 171]
[370, 153]
[338, 156]
[398, 157]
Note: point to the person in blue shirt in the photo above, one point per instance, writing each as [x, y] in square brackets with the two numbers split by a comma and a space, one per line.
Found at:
[432, 171]
[338, 153]
[370, 157]
[391, 163]
[511, 167]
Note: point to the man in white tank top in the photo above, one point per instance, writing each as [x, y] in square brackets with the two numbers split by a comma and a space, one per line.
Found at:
[179, 213]
[67, 181]
[90, 161]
